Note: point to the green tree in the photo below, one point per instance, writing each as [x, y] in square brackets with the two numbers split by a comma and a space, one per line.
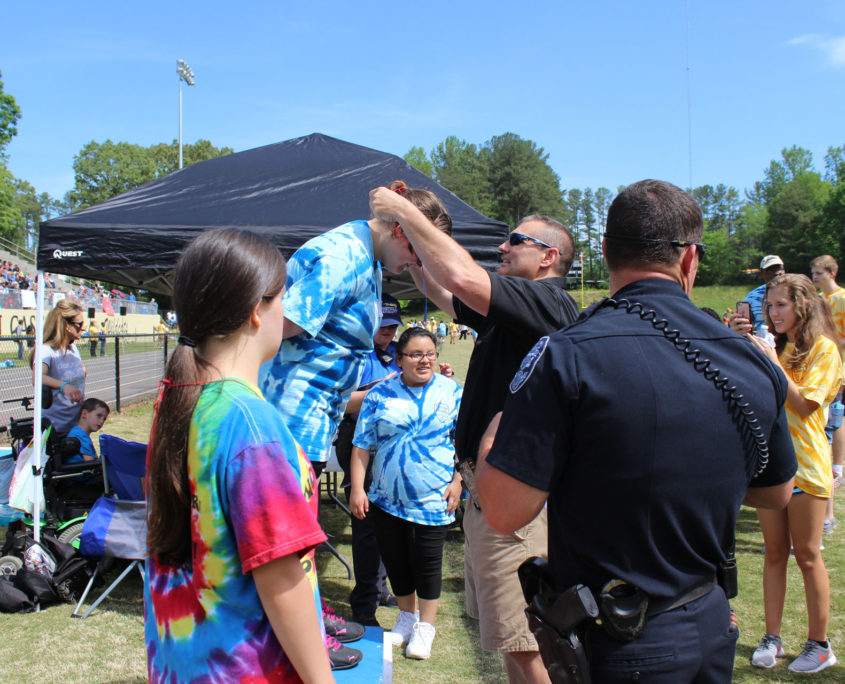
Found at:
[589, 215]
[795, 228]
[795, 161]
[834, 165]
[417, 158]
[601, 202]
[166, 157]
[459, 167]
[103, 170]
[521, 180]
[574, 208]
[9, 115]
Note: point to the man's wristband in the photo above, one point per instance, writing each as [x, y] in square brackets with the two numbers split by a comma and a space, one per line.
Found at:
[62, 386]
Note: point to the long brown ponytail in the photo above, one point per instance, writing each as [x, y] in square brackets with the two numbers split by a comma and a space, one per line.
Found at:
[219, 279]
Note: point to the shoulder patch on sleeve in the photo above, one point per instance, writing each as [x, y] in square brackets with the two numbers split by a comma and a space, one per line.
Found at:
[528, 364]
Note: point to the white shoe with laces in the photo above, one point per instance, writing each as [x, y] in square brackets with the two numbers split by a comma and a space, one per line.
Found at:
[419, 647]
[404, 627]
[765, 654]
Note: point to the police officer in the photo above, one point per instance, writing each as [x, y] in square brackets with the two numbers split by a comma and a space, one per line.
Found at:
[636, 450]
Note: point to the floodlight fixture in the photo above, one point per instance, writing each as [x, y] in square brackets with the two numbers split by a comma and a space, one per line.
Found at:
[185, 74]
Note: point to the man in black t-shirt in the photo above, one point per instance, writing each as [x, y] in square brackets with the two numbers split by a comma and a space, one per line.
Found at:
[624, 429]
[509, 310]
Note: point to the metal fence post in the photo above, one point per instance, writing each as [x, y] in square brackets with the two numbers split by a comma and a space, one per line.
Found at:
[117, 373]
[164, 365]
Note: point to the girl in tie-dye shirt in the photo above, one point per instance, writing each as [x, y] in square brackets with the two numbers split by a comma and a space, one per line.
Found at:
[231, 590]
[410, 420]
[808, 355]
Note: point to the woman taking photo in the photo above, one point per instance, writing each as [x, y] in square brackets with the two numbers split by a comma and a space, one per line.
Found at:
[807, 353]
[409, 420]
[61, 364]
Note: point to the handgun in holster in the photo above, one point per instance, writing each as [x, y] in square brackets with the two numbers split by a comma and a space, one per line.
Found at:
[558, 621]
[466, 467]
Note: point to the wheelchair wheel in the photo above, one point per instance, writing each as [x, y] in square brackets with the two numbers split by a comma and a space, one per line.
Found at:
[72, 534]
[9, 566]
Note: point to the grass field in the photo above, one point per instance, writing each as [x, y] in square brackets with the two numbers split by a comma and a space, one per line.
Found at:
[109, 647]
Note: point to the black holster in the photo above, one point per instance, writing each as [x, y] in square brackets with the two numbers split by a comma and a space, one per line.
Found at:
[558, 622]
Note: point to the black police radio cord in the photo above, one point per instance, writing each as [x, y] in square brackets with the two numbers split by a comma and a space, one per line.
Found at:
[753, 439]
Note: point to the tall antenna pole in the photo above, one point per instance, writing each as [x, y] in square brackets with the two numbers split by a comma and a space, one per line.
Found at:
[689, 103]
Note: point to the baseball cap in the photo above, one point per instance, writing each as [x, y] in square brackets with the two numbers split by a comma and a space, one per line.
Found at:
[391, 314]
[770, 260]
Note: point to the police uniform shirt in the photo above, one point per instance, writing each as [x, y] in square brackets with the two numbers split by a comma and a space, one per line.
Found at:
[644, 467]
[521, 311]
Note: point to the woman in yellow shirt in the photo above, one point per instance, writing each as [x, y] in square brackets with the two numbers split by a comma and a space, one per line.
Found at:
[809, 356]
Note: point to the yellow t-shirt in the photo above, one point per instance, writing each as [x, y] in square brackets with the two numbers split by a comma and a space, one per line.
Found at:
[836, 302]
[818, 380]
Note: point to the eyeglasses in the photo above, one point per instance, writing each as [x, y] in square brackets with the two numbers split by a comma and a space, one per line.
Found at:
[518, 238]
[419, 356]
[76, 324]
[699, 246]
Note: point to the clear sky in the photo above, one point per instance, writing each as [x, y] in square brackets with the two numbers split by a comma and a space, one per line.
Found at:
[601, 86]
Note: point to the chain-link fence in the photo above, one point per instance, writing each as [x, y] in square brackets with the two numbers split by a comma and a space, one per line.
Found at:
[120, 369]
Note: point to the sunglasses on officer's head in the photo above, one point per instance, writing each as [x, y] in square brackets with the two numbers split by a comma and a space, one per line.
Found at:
[518, 238]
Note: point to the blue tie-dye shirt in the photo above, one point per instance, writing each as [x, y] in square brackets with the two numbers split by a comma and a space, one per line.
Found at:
[333, 294]
[412, 430]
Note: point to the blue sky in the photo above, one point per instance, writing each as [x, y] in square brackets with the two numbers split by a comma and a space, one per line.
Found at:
[601, 86]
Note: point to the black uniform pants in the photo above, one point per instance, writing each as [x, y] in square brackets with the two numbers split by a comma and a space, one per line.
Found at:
[693, 643]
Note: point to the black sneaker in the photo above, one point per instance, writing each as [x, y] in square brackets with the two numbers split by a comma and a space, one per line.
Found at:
[345, 632]
[342, 657]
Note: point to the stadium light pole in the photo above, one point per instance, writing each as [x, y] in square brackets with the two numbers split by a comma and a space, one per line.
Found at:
[185, 74]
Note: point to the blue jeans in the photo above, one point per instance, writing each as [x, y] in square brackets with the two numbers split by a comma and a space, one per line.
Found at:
[693, 643]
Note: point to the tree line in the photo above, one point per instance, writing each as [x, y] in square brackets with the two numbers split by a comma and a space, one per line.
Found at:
[795, 211]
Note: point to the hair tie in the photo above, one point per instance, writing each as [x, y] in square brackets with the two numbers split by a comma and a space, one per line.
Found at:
[187, 341]
[400, 189]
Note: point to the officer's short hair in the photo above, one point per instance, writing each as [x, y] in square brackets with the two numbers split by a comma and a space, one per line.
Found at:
[555, 234]
[644, 218]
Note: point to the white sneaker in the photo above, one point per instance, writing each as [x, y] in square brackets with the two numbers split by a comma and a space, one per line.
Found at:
[404, 627]
[765, 654]
[419, 646]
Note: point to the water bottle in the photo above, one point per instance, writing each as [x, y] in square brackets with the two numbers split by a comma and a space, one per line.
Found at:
[764, 334]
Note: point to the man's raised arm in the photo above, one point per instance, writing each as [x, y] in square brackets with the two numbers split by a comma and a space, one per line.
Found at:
[449, 264]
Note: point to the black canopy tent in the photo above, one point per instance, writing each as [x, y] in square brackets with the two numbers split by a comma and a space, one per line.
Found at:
[289, 192]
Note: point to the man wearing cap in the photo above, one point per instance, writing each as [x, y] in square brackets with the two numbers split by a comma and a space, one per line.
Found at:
[370, 587]
[770, 266]
[628, 437]
[509, 310]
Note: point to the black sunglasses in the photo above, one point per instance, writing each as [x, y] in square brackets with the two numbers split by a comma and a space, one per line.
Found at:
[699, 246]
[76, 324]
[518, 238]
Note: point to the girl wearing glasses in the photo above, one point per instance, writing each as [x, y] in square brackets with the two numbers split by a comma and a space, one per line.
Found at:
[809, 356]
[62, 370]
[409, 420]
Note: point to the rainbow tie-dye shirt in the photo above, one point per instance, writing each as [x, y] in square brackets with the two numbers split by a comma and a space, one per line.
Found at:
[253, 500]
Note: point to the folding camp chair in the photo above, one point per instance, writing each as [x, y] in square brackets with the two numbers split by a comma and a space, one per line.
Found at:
[117, 525]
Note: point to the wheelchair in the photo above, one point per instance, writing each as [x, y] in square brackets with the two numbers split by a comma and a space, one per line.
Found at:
[70, 489]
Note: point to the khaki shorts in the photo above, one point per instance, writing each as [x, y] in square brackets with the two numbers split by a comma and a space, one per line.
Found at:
[493, 593]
